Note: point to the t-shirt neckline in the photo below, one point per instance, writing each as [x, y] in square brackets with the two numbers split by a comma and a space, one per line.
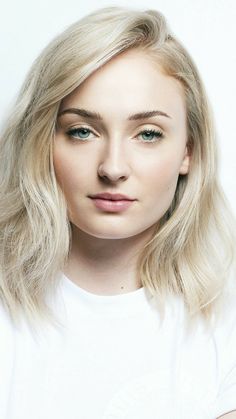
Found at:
[129, 302]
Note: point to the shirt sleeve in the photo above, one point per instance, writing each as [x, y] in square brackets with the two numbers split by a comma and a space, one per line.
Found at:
[226, 397]
[6, 361]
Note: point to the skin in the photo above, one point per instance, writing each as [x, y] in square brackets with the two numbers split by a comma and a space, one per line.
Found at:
[116, 158]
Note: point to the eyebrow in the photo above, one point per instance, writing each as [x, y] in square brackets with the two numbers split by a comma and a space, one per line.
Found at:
[96, 116]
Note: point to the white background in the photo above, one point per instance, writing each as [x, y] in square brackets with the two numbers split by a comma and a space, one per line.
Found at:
[206, 27]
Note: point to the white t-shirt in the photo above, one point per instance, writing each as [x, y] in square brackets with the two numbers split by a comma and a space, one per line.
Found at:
[113, 360]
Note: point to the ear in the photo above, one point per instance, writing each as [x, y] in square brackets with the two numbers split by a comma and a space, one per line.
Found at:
[184, 168]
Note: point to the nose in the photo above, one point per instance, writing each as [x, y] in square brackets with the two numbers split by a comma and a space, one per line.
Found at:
[113, 164]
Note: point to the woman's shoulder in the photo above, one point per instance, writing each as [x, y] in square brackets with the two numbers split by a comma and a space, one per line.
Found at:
[7, 330]
[7, 350]
[226, 320]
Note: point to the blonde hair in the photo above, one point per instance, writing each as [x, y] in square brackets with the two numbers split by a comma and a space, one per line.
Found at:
[191, 252]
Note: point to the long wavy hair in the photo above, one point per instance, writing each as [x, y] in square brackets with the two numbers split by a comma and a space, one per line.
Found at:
[191, 253]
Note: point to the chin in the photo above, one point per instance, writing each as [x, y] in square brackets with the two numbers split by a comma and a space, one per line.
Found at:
[114, 232]
[109, 235]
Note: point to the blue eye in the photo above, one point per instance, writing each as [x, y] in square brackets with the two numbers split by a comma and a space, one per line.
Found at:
[80, 133]
[151, 135]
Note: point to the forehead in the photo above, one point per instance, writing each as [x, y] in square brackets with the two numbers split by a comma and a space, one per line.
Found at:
[128, 82]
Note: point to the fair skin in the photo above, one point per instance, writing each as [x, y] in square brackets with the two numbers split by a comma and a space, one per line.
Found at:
[114, 157]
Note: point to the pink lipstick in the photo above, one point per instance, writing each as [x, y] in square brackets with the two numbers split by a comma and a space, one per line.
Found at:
[112, 202]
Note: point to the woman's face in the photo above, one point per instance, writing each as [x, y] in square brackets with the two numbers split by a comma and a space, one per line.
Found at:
[140, 156]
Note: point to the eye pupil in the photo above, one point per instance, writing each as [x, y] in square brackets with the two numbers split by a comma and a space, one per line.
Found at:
[148, 134]
[84, 131]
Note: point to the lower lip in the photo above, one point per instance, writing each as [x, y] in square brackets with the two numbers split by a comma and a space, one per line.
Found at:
[112, 206]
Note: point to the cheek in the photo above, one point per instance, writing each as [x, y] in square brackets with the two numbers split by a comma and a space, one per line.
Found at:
[161, 184]
[163, 173]
[70, 175]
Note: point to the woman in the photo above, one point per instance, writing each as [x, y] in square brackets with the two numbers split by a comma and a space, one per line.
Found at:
[117, 251]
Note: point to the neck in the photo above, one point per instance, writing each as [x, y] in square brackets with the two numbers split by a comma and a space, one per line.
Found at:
[105, 266]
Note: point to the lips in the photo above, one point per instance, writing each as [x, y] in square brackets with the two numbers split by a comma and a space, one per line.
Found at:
[112, 203]
[112, 197]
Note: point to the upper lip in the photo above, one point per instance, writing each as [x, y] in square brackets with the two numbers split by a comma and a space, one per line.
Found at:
[112, 197]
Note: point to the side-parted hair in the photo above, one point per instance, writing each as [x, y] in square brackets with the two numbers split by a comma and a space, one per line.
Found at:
[191, 253]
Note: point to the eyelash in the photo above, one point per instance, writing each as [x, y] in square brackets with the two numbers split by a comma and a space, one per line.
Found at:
[157, 134]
